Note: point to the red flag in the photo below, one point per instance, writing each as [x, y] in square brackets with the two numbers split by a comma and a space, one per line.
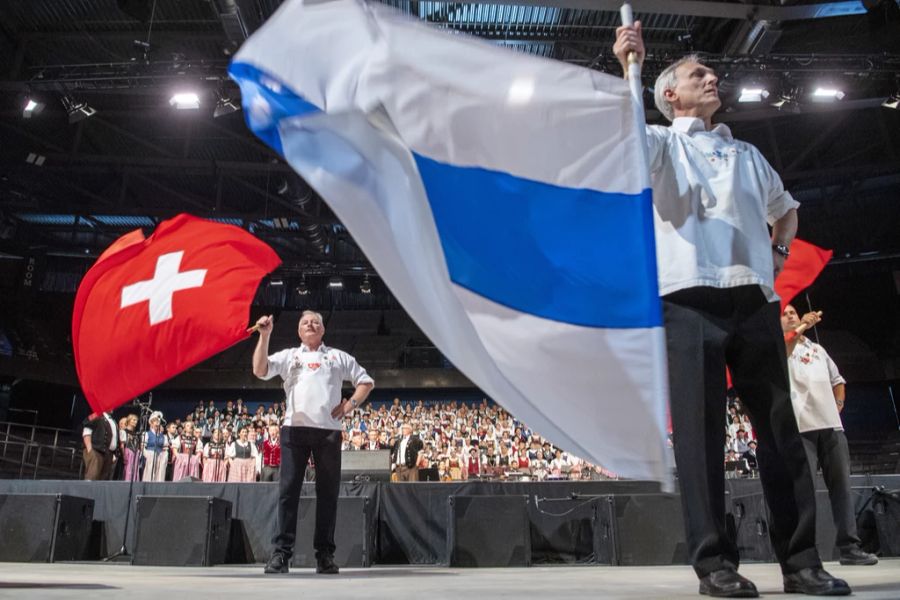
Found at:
[800, 270]
[153, 307]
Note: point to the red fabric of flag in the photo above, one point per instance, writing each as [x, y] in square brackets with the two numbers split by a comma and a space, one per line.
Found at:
[800, 270]
[150, 308]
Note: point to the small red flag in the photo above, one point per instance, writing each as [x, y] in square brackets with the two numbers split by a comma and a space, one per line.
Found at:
[800, 270]
[150, 308]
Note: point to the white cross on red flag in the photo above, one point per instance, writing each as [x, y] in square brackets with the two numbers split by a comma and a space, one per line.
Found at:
[150, 308]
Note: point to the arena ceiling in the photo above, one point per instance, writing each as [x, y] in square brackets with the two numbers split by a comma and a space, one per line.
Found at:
[108, 154]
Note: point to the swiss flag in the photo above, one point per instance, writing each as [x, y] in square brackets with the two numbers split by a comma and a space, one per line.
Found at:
[152, 307]
[800, 270]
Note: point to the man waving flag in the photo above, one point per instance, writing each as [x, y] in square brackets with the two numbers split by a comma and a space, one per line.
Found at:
[500, 198]
[152, 307]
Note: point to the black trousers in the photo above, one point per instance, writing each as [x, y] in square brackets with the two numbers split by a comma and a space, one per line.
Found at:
[707, 329]
[297, 443]
[827, 448]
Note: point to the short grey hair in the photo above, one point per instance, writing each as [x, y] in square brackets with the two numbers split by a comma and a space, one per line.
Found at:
[315, 314]
[667, 81]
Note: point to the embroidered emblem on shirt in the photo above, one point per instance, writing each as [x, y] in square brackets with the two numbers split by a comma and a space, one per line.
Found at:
[314, 366]
[720, 156]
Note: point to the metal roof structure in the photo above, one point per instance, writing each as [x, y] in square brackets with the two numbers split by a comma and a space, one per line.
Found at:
[69, 186]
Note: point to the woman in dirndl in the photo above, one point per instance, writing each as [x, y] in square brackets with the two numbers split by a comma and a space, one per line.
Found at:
[242, 457]
[214, 465]
[187, 454]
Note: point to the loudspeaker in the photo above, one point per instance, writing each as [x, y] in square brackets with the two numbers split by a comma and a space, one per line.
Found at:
[489, 531]
[45, 527]
[750, 517]
[181, 530]
[886, 505]
[354, 532]
[640, 529]
[366, 465]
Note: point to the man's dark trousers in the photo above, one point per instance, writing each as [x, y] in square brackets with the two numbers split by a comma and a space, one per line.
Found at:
[707, 328]
[297, 443]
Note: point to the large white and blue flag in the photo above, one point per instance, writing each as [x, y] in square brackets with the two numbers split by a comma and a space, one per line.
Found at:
[500, 198]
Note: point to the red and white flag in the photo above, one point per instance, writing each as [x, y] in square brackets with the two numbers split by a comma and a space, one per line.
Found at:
[153, 307]
[800, 270]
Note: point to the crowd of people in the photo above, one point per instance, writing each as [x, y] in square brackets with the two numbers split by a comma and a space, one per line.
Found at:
[460, 440]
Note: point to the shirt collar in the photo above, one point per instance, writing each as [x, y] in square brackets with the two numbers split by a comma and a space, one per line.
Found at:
[322, 348]
[692, 125]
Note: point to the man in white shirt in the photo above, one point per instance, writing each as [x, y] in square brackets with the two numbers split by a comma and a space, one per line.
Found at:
[313, 375]
[713, 196]
[100, 438]
[817, 395]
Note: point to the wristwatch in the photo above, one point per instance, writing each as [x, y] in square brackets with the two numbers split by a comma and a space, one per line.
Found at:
[781, 249]
[354, 403]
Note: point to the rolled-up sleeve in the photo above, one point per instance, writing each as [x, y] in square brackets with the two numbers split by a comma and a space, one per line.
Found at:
[353, 371]
[833, 374]
[779, 200]
[279, 363]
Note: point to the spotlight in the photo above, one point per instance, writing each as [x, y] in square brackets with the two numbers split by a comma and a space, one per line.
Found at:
[302, 289]
[225, 106]
[827, 95]
[366, 286]
[753, 95]
[77, 111]
[892, 101]
[32, 107]
[336, 283]
[276, 282]
[185, 101]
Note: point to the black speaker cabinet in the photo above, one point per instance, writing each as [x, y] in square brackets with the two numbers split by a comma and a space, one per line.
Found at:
[640, 529]
[886, 506]
[366, 465]
[750, 518]
[181, 530]
[44, 527]
[354, 532]
[489, 531]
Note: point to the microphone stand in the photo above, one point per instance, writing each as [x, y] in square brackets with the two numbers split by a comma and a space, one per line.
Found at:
[143, 425]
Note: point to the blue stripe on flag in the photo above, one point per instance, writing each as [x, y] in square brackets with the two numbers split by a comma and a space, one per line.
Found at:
[572, 255]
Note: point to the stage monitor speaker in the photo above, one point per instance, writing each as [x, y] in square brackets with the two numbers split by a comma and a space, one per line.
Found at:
[886, 506]
[640, 529]
[354, 532]
[489, 531]
[45, 527]
[366, 465]
[750, 518]
[181, 530]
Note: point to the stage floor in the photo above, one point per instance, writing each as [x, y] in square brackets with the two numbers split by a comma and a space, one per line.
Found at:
[99, 580]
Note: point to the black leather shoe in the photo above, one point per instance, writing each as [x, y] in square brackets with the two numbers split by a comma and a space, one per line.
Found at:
[815, 582]
[726, 583]
[854, 556]
[325, 566]
[277, 565]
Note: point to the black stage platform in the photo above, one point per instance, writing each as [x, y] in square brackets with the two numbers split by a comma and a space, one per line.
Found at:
[602, 522]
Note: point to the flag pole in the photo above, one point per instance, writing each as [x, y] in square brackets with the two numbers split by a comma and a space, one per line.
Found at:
[661, 376]
[637, 98]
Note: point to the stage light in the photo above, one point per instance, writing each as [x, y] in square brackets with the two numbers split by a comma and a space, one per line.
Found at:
[302, 289]
[77, 111]
[185, 101]
[276, 282]
[753, 95]
[336, 283]
[827, 95]
[366, 286]
[225, 106]
[892, 101]
[32, 107]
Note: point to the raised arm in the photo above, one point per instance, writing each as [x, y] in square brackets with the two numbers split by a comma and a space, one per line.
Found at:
[261, 352]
